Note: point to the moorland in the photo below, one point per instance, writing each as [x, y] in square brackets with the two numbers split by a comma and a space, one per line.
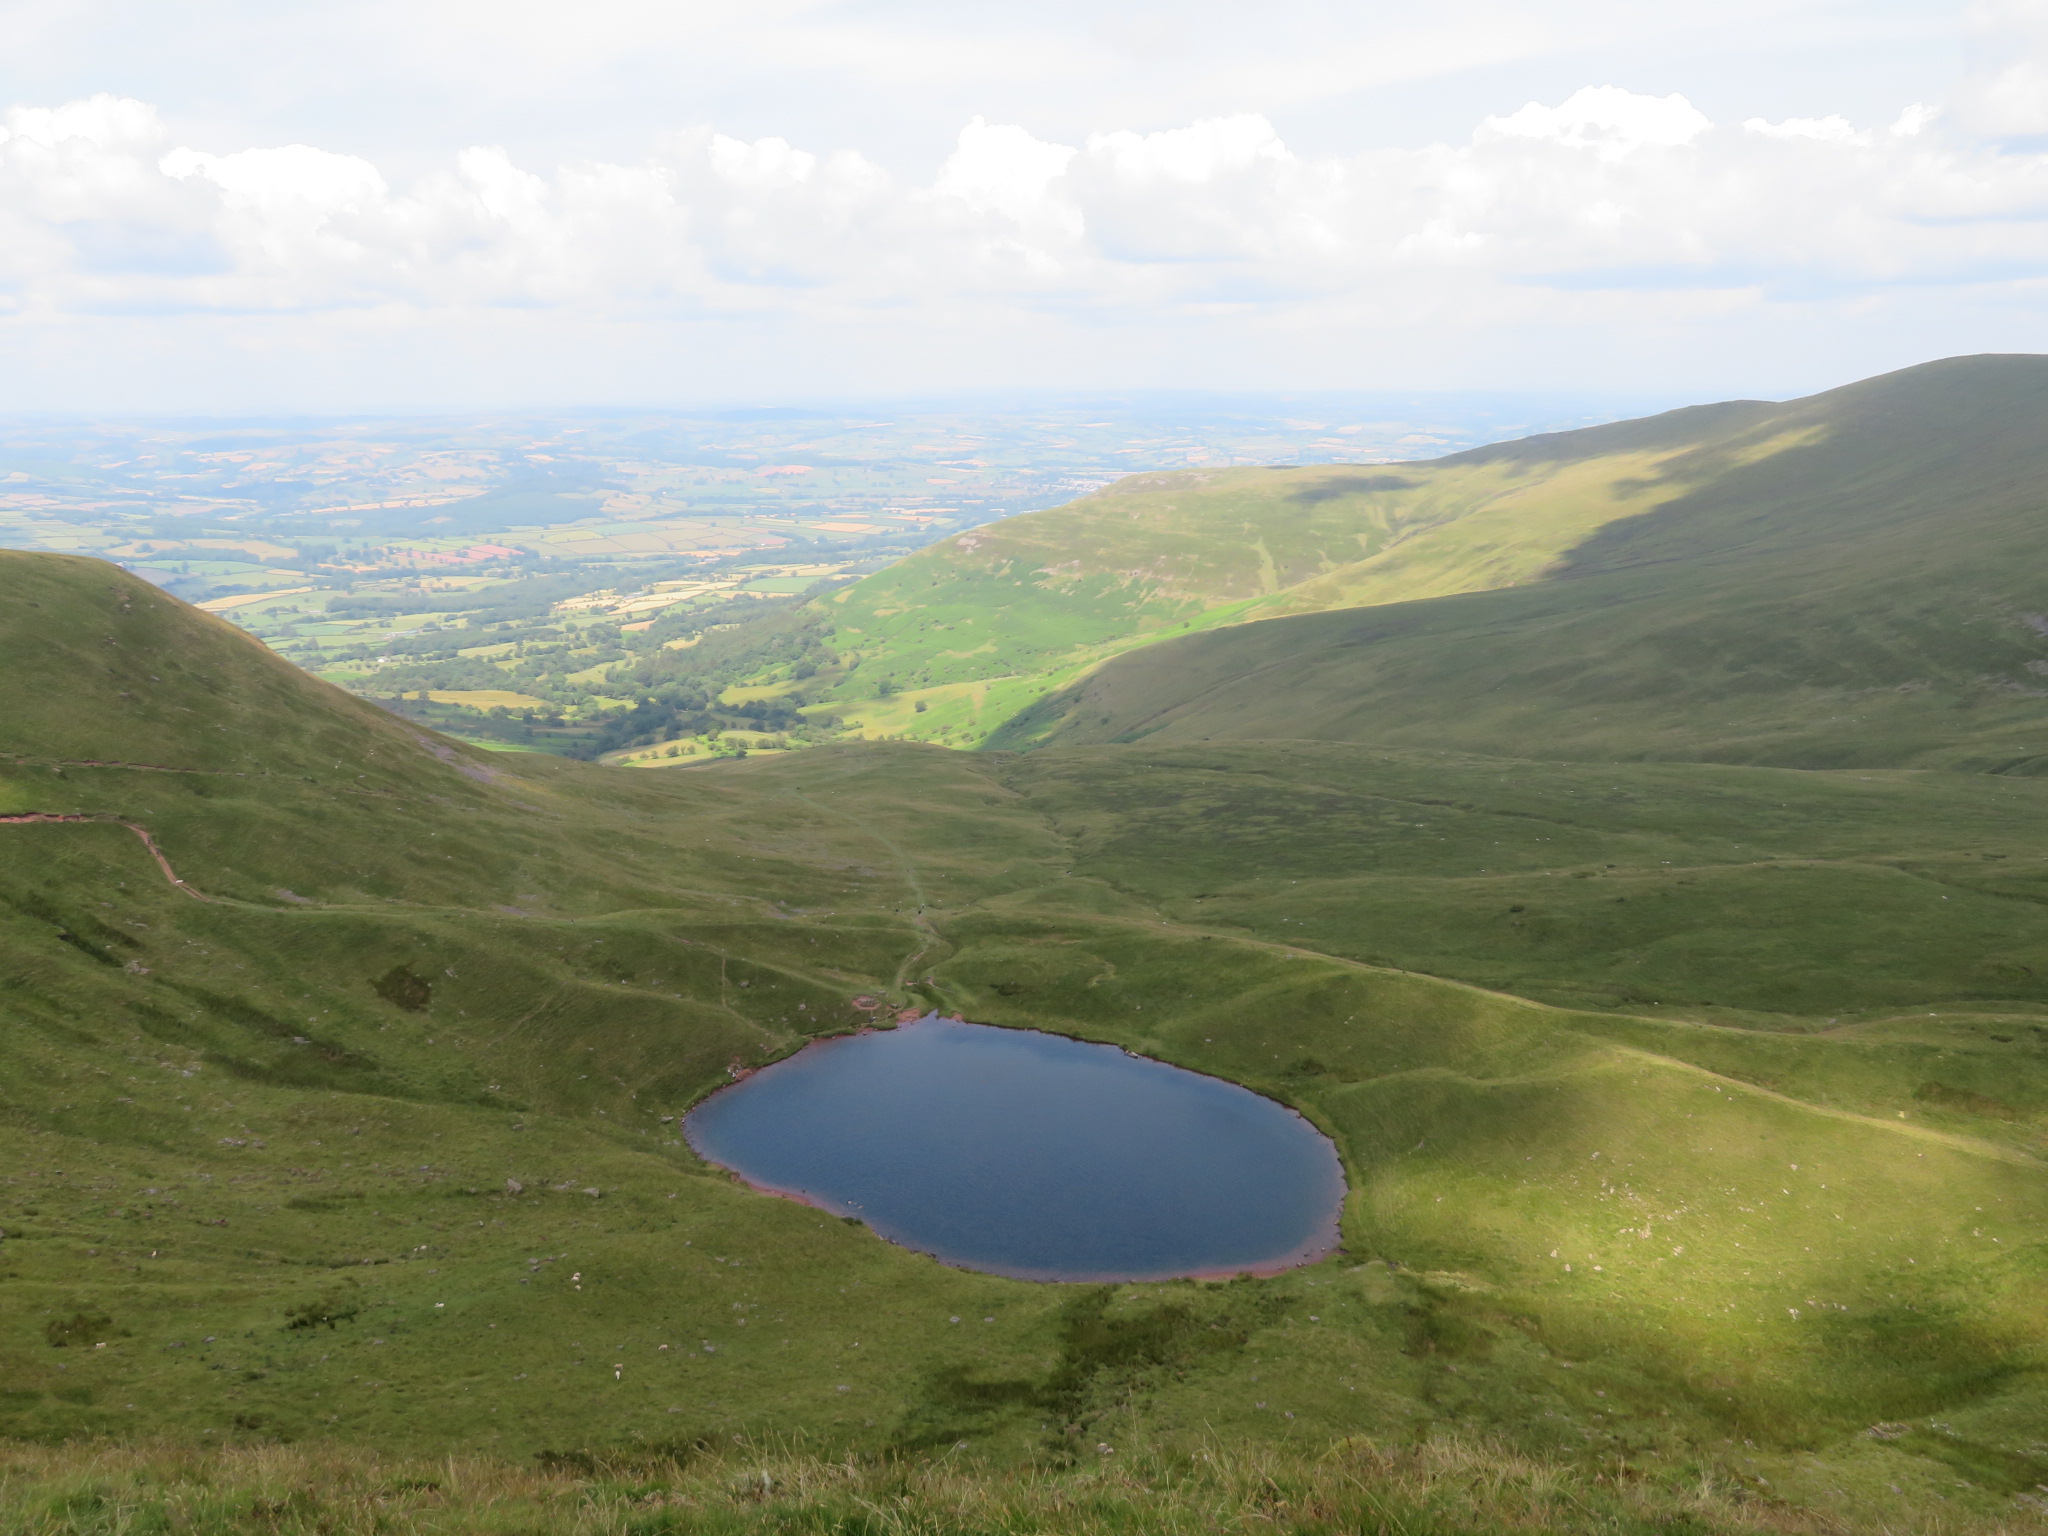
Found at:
[1646, 896]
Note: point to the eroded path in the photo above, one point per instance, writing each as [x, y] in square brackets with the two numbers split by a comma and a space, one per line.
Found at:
[928, 938]
[25, 818]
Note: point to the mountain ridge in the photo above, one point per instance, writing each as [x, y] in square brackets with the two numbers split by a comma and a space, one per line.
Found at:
[1874, 575]
[952, 642]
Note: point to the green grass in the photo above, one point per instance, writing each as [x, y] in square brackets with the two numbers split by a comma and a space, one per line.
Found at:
[436, 997]
[1443, 1488]
[1726, 890]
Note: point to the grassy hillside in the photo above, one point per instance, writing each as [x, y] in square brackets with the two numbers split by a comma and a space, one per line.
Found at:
[948, 643]
[982, 624]
[363, 1136]
[1865, 595]
[1734, 893]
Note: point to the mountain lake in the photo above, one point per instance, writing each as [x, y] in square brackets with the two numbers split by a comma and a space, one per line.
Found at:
[1032, 1155]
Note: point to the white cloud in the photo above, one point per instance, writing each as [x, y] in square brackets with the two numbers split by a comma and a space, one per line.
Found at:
[2008, 97]
[1916, 118]
[1192, 156]
[1221, 190]
[293, 181]
[2015, 100]
[1613, 209]
[1605, 189]
[1606, 119]
[602, 77]
[1002, 169]
[101, 122]
[1834, 130]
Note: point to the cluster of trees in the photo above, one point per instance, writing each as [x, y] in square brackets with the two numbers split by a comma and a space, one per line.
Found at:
[531, 597]
[548, 726]
[684, 711]
[675, 692]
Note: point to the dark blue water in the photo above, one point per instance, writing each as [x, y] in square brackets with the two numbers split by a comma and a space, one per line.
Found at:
[1032, 1155]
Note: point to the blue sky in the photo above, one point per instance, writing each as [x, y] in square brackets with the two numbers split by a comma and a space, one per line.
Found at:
[448, 204]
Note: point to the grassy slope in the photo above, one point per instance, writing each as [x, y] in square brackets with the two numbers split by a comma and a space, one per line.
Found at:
[1581, 1231]
[980, 625]
[1750, 891]
[1863, 597]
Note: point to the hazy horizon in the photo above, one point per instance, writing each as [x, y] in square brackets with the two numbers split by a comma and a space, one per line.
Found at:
[1546, 410]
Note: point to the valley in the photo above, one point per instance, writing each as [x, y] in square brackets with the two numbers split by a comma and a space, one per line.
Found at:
[525, 581]
[1744, 582]
[1630, 855]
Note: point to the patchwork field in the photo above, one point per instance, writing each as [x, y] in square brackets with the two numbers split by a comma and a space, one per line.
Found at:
[486, 698]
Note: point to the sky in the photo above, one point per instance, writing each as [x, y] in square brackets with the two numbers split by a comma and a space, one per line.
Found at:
[230, 206]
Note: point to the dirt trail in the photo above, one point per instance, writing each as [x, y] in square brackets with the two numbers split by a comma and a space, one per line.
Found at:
[162, 863]
[929, 939]
[94, 762]
[1955, 1141]
[928, 936]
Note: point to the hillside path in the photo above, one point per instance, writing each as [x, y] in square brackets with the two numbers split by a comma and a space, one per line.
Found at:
[928, 936]
[25, 818]
[1954, 1141]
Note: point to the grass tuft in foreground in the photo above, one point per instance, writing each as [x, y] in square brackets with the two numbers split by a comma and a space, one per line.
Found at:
[1445, 1486]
